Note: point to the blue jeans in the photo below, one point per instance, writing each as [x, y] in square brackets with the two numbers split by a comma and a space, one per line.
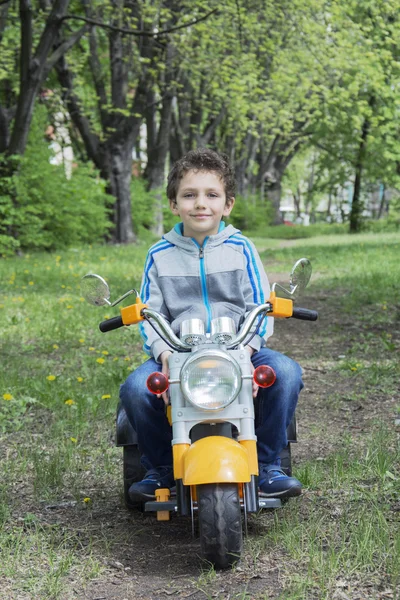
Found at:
[276, 406]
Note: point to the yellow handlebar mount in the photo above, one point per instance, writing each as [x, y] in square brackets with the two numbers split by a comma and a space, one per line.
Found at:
[132, 314]
[282, 307]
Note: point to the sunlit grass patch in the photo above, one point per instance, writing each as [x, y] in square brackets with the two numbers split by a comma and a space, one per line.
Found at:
[347, 529]
[59, 389]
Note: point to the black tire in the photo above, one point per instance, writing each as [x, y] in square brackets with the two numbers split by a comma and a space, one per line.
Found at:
[133, 471]
[220, 523]
[286, 460]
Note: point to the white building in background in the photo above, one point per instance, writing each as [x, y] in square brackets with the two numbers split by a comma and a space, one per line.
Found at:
[60, 143]
[339, 204]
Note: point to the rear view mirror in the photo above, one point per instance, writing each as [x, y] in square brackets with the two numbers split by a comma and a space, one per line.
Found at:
[95, 290]
[299, 277]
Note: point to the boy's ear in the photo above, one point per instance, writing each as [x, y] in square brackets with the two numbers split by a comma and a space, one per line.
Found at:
[174, 207]
[228, 207]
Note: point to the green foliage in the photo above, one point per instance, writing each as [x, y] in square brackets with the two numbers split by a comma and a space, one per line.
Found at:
[250, 213]
[294, 232]
[44, 209]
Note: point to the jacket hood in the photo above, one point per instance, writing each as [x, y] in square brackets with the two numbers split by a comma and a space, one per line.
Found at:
[176, 237]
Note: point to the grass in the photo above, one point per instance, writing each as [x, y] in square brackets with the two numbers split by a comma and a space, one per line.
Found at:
[58, 390]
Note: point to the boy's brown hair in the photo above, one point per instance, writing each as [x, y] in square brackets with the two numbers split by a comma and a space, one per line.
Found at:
[202, 159]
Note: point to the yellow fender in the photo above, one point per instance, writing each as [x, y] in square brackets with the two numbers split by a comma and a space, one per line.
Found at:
[215, 459]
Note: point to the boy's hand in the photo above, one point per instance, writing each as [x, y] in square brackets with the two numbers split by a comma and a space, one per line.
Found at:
[165, 370]
[255, 386]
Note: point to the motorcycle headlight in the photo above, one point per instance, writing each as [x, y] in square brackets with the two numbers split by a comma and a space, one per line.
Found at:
[210, 379]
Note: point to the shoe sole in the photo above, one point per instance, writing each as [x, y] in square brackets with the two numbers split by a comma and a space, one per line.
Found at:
[290, 493]
[141, 497]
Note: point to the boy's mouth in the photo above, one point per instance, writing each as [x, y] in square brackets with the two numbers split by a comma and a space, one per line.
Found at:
[200, 216]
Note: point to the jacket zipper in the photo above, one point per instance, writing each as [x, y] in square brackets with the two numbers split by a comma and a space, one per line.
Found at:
[203, 281]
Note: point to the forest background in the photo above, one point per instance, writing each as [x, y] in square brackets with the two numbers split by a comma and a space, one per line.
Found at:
[302, 95]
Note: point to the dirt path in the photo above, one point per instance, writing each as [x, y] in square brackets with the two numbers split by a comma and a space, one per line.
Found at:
[150, 560]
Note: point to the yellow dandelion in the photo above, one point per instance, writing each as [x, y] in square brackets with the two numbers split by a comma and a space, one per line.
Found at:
[100, 360]
[115, 358]
[103, 258]
[105, 352]
[106, 316]
[69, 306]
[63, 286]
[8, 397]
[87, 500]
[73, 440]
[26, 271]
[1, 305]
[80, 379]
[70, 402]
[55, 346]
[31, 283]
[50, 377]
[105, 396]
[81, 341]
[127, 358]
[354, 368]
[92, 349]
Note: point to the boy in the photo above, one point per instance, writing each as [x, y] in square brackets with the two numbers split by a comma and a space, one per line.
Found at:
[202, 269]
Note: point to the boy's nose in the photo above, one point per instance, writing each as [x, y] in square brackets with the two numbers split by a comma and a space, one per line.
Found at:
[200, 201]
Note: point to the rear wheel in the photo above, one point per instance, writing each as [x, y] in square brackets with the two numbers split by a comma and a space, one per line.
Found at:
[220, 523]
[133, 471]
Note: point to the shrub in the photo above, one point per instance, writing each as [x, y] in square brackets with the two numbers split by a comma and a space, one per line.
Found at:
[44, 209]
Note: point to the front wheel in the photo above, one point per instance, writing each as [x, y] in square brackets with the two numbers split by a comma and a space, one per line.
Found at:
[220, 523]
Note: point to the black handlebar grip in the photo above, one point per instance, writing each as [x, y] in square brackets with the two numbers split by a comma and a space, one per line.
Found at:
[305, 314]
[111, 324]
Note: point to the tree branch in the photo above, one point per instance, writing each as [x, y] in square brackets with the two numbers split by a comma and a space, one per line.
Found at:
[25, 12]
[140, 33]
[63, 48]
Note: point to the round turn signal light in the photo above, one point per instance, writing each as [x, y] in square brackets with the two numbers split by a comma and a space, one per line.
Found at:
[157, 383]
[264, 376]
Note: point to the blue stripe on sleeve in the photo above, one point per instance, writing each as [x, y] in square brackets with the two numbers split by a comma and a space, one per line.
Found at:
[145, 291]
[162, 245]
[249, 270]
[258, 292]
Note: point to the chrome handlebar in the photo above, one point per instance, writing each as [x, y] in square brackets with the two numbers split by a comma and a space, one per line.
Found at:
[179, 345]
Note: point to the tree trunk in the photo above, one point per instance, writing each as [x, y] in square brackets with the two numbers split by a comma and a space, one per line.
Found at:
[382, 203]
[356, 205]
[32, 69]
[120, 161]
[157, 155]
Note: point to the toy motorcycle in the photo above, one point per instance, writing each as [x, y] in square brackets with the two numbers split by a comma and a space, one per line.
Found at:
[212, 416]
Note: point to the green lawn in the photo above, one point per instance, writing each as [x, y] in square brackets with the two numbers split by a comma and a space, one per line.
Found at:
[58, 391]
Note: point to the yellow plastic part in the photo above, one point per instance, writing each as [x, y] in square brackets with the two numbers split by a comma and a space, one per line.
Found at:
[178, 452]
[169, 415]
[131, 314]
[251, 447]
[162, 495]
[282, 307]
[215, 459]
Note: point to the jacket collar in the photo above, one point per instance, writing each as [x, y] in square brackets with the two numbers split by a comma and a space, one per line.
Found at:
[176, 237]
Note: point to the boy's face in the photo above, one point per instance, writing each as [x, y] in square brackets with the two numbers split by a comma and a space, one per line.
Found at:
[201, 204]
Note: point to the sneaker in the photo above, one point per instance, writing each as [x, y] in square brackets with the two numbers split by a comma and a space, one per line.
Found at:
[274, 482]
[161, 477]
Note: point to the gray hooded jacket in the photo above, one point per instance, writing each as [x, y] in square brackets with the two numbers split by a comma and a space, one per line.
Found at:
[224, 277]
